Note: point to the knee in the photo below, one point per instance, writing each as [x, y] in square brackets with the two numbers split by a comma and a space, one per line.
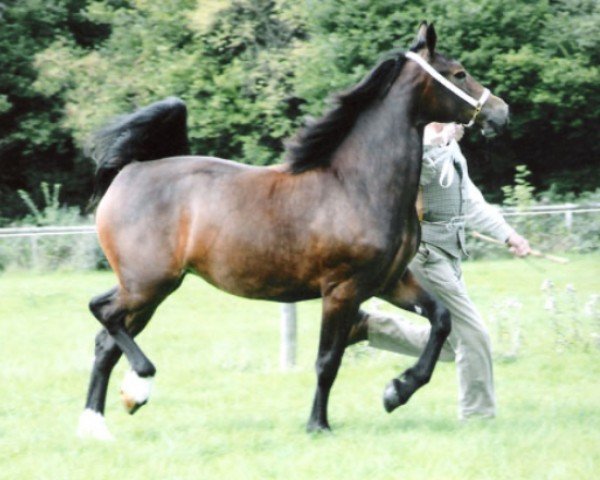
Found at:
[106, 312]
[483, 338]
[101, 307]
[478, 339]
[95, 307]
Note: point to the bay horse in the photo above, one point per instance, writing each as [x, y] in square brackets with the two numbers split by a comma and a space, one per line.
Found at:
[337, 220]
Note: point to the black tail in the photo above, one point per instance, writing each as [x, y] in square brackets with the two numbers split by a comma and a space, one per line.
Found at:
[156, 131]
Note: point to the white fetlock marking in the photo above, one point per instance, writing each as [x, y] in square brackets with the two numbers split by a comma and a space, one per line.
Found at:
[92, 425]
[136, 387]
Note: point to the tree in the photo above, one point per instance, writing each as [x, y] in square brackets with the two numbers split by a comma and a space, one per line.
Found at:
[34, 146]
[232, 71]
[250, 71]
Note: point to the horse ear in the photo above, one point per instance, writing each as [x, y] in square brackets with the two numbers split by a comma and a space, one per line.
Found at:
[421, 39]
[426, 38]
[431, 39]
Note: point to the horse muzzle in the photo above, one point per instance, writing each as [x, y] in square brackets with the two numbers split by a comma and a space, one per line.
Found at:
[494, 119]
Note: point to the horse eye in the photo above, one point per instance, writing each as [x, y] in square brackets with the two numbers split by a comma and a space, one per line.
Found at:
[460, 75]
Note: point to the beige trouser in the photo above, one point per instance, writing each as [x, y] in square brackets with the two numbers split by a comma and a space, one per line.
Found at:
[468, 344]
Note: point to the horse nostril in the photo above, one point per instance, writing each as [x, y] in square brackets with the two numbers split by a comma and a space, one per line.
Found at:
[500, 120]
[493, 126]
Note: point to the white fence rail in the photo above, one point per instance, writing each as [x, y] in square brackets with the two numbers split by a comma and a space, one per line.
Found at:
[566, 209]
[44, 231]
[288, 322]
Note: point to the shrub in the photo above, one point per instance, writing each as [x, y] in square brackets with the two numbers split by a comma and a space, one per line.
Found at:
[547, 233]
[53, 251]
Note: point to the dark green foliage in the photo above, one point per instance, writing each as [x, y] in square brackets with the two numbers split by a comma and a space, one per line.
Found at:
[34, 146]
[250, 71]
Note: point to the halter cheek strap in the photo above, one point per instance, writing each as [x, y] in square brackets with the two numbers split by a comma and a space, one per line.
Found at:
[476, 104]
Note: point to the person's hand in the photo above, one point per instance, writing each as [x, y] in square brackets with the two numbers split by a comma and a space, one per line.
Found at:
[518, 245]
[459, 132]
[433, 135]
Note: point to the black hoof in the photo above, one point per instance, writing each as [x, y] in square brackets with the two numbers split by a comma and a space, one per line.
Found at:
[130, 404]
[136, 407]
[396, 393]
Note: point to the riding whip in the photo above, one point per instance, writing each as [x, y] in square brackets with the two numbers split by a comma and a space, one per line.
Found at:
[535, 253]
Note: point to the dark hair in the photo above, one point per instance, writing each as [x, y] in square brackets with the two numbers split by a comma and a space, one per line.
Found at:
[156, 131]
[315, 144]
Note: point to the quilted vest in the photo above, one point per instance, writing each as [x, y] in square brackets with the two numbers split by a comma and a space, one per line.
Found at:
[445, 201]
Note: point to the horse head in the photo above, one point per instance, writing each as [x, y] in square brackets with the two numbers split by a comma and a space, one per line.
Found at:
[450, 93]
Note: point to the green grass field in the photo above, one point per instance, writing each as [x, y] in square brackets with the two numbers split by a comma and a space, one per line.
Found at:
[222, 409]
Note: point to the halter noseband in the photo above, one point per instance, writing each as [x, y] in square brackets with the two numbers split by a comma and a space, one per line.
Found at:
[476, 104]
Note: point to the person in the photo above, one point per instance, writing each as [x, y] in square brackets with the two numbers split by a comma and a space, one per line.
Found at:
[450, 202]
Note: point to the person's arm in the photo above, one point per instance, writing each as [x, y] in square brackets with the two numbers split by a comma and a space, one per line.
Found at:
[481, 216]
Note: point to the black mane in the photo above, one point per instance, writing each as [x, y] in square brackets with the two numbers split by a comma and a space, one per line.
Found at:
[314, 145]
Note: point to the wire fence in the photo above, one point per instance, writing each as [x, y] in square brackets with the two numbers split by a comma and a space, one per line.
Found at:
[564, 228]
[567, 227]
[566, 210]
[572, 227]
[48, 248]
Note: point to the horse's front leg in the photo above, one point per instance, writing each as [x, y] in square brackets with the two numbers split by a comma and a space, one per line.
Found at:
[340, 309]
[409, 295]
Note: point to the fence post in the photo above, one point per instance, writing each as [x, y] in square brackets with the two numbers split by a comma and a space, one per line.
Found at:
[287, 350]
[569, 219]
[35, 255]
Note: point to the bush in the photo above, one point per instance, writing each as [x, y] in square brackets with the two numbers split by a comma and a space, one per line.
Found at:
[547, 233]
[53, 251]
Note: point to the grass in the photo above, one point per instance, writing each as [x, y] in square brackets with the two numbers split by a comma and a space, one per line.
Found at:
[222, 409]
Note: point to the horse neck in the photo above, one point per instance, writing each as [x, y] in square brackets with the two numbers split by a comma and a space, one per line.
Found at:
[382, 155]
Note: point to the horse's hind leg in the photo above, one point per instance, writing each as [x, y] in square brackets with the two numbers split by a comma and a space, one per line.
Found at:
[111, 310]
[91, 421]
[107, 354]
[409, 295]
[123, 315]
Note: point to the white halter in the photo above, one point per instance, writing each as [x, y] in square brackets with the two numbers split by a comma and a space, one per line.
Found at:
[477, 104]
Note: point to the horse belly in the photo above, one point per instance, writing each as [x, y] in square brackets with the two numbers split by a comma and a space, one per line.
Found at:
[245, 266]
[252, 280]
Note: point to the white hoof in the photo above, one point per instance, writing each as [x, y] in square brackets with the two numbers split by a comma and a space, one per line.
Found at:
[135, 391]
[92, 425]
